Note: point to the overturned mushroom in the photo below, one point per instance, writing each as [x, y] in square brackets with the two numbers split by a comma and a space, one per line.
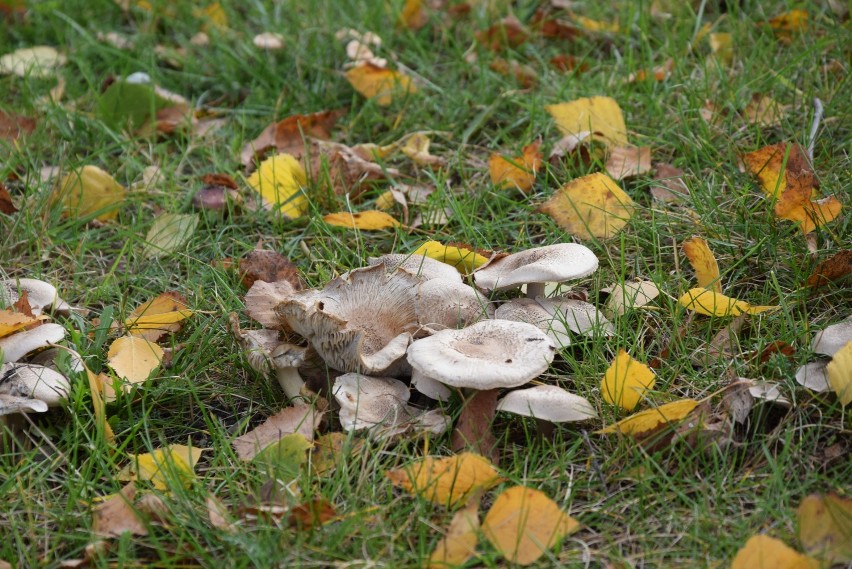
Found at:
[535, 267]
[361, 323]
[40, 295]
[369, 401]
[18, 345]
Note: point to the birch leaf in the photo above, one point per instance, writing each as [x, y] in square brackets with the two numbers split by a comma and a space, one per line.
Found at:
[839, 372]
[446, 481]
[169, 233]
[650, 419]
[518, 172]
[380, 84]
[279, 181]
[711, 303]
[703, 263]
[134, 359]
[463, 258]
[626, 381]
[599, 115]
[89, 191]
[459, 543]
[591, 206]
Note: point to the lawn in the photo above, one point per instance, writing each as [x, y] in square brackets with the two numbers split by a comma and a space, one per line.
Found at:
[690, 494]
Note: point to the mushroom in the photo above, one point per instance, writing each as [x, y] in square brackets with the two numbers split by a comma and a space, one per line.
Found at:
[287, 359]
[481, 358]
[40, 295]
[367, 401]
[535, 267]
[424, 267]
[43, 386]
[18, 345]
[581, 317]
[361, 323]
[442, 303]
[530, 311]
[548, 404]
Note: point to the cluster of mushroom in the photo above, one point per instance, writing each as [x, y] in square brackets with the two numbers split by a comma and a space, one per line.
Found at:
[29, 381]
[409, 320]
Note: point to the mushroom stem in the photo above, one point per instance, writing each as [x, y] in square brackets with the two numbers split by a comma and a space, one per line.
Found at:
[290, 380]
[535, 289]
[545, 428]
[473, 430]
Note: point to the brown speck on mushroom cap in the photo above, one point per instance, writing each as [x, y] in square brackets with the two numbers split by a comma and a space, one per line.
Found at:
[360, 323]
[485, 355]
[548, 264]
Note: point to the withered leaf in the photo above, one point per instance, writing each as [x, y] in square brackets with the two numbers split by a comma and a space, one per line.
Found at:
[268, 266]
[287, 135]
[832, 269]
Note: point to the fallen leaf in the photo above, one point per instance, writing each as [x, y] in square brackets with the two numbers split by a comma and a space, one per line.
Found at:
[839, 372]
[302, 419]
[157, 317]
[219, 515]
[795, 205]
[312, 514]
[711, 303]
[133, 360]
[285, 456]
[168, 233]
[628, 161]
[173, 464]
[626, 381]
[523, 523]
[416, 147]
[287, 136]
[825, 527]
[658, 73]
[650, 419]
[413, 16]
[328, 451]
[626, 296]
[462, 257]
[763, 111]
[564, 62]
[552, 27]
[671, 180]
[117, 515]
[371, 220]
[89, 192]
[7, 206]
[764, 552]
[599, 115]
[518, 172]
[213, 15]
[508, 32]
[458, 544]
[13, 126]
[446, 481]
[834, 268]
[525, 75]
[11, 321]
[589, 207]
[703, 263]
[279, 181]
[96, 392]
[379, 84]
[788, 24]
[262, 299]
[591, 25]
[38, 61]
[722, 47]
[131, 104]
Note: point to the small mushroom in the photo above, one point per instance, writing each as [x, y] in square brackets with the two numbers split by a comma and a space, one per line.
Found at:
[581, 317]
[361, 323]
[830, 339]
[529, 311]
[367, 401]
[33, 382]
[287, 359]
[547, 403]
[420, 265]
[18, 345]
[536, 267]
[442, 304]
[40, 295]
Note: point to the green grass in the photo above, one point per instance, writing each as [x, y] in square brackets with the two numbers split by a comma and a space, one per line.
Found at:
[679, 506]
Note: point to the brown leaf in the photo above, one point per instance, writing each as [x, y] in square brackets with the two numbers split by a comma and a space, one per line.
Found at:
[832, 269]
[218, 515]
[223, 180]
[413, 16]
[7, 206]
[13, 126]
[302, 419]
[312, 514]
[525, 75]
[565, 62]
[268, 266]
[343, 168]
[777, 347]
[117, 515]
[552, 27]
[508, 32]
[628, 161]
[287, 135]
[473, 430]
[670, 180]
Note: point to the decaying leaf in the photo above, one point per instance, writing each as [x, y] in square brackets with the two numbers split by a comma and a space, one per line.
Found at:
[825, 527]
[763, 111]
[270, 267]
[168, 233]
[623, 297]
[371, 220]
[834, 268]
[159, 316]
[711, 303]
[626, 381]
[589, 207]
[134, 359]
[219, 515]
[670, 183]
[7, 206]
[413, 16]
[284, 456]
[459, 543]
[462, 257]
[658, 73]
[89, 191]
[173, 464]
[11, 321]
[722, 47]
[523, 523]
[648, 420]
[703, 263]
[13, 126]
[446, 481]
[379, 84]
[525, 75]
[38, 61]
[764, 552]
[416, 147]
[117, 515]
[280, 181]
[628, 161]
[599, 115]
[788, 24]
[287, 136]
[518, 172]
[508, 32]
[302, 419]
[839, 372]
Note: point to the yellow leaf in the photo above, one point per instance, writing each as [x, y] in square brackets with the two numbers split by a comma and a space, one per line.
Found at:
[279, 181]
[38, 61]
[133, 359]
[795, 205]
[722, 46]
[413, 16]
[459, 543]
[524, 523]
[89, 191]
[825, 527]
[599, 115]
[764, 552]
[385, 200]
[591, 25]
[462, 258]
[839, 372]
[703, 263]
[214, 14]
[157, 317]
[711, 303]
[416, 147]
[370, 220]
[768, 164]
[591, 206]
[380, 84]
[11, 321]
[96, 390]
[446, 481]
[174, 463]
[789, 23]
[650, 419]
[518, 172]
[626, 381]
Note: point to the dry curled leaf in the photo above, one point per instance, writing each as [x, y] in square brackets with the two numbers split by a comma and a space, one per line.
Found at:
[834, 268]
[711, 303]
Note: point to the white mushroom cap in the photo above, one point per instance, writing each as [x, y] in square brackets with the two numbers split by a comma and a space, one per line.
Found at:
[420, 265]
[529, 311]
[442, 303]
[429, 387]
[361, 323]
[552, 263]
[485, 355]
[18, 345]
[581, 317]
[33, 381]
[369, 401]
[40, 295]
[548, 403]
[829, 340]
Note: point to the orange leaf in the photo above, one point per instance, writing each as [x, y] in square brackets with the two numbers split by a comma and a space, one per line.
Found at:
[378, 83]
[519, 172]
[446, 481]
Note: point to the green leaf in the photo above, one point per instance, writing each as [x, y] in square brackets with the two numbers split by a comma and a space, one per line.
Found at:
[168, 233]
[286, 456]
[129, 105]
